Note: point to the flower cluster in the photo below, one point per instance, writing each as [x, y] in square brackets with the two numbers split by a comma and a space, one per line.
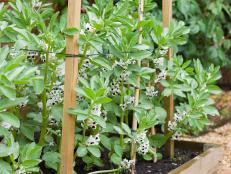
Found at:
[161, 76]
[178, 117]
[151, 92]
[143, 142]
[14, 52]
[124, 76]
[128, 100]
[80, 98]
[24, 103]
[53, 121]
[104, 114]
[119, 63]
[51, 57]
[159, 62]
[163, 51]
[143, 148]
[96, 110]
[172, 125]
[123, 64]
[176, 135]
[115, 88]
[91, 123]
[31, 55]
[93, 140]
[55, 96]
[36, 3]
[127, 164]
[86, 65]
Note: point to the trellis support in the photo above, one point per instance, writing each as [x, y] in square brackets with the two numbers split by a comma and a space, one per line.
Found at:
[71, 71]
[168, 101]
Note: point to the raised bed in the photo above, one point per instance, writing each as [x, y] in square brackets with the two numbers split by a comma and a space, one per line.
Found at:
[205, 163]
[190, 157]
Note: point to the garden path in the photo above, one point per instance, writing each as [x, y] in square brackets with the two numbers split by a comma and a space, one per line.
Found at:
[222, 136]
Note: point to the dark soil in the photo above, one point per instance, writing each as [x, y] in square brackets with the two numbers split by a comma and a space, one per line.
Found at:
[143, 167]
[165, 165]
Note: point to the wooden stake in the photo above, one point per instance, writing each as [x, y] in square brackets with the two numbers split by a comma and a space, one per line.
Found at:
[153, 132]
[168, 101]
[71, 70]
[137, 91]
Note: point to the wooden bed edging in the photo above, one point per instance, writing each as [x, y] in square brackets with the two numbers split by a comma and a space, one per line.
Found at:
[205, 163]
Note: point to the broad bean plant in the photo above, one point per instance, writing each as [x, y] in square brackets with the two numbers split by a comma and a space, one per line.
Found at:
[109, 74]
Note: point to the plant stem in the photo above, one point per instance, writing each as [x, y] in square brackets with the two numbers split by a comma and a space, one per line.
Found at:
[44, 102]
[122, 114]
[107, 171]
[84, 56]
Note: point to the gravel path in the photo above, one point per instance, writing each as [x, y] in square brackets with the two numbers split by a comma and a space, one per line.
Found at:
[222, 136]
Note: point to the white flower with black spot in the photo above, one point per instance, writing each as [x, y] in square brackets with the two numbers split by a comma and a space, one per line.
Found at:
[96, 110]
[88, 27]
[151, 92]
[127, 164]
[159, 62]
[143, 148]
[93, 140]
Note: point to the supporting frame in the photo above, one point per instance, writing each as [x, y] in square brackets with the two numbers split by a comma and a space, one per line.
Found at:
[71, 71]
[168, 101]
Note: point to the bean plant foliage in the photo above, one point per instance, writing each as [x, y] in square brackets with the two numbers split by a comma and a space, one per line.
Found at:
[31, 85]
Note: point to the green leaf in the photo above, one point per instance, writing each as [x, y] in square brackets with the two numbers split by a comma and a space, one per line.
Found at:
[30, 155]
[146, 70]
[81, 114]
[158, 140]
[19, 5]
[89, 92]
[116, 159]
[94, 150]
[105, 141]
[148, 157]
[141, 55]
[118, 129]
[210, 110]
[10, 118]
[102, 62]
[38, 85]
[3, 53]
[70, 31]
[126, 128]
[52, 160]
[9, 92]
[28, 129]
[6, 103]
[213, 89]
[118, 150]
[27, 164]
[5, 167]
[102, 100]
[81, 151]
[6, 148]
[100, 92]
[100, 121]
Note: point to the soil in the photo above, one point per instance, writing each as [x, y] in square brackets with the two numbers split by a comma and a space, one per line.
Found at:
[166, 165]
[143, 167]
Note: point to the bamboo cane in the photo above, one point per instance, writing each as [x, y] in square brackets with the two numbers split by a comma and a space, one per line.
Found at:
[168, 101]
[71, 69]
[137, 90]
